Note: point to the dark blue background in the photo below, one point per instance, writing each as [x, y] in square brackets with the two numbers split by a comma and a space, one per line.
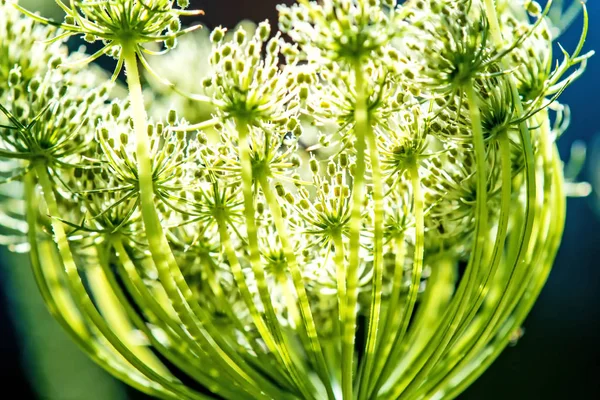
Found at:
[558, 356]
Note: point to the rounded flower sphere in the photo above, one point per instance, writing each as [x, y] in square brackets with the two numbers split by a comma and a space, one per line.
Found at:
[364, 205]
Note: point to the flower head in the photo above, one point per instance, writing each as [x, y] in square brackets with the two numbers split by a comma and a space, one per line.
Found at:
[122, 22]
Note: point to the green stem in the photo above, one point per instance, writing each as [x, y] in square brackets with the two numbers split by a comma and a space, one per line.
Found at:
[419, 209]
[182, 352]
[281, 348]
[393, 318]
[168, 270]
[110, 303]
[63, 310]
[546, 253]
[453, 318]
[161, 387]
[445, 368]
[298, 280]
[340, 265]
[362, 125]
[375, 312]
[520, 262]
[118, 311]
[236, 269]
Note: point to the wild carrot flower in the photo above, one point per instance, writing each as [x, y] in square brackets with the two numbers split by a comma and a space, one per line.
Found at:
[249, 259]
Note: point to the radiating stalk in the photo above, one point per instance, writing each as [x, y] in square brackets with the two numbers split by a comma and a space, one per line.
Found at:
[298, 280]
[279, 346]
[164, 260]
[176, 350]
[444, 368]
[161, 386]
[362, 125]
[393, 318]
[340, 268]
[64, 311]
[411, 381]
[115, 314]
[378, 220]
[549, 242]
[501, 233]
[419, 209]
[236, 270]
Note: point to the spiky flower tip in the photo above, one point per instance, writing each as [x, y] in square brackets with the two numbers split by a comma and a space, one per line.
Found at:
[369, 212]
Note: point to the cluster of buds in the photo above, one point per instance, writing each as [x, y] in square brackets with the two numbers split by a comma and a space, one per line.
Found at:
[369, 211]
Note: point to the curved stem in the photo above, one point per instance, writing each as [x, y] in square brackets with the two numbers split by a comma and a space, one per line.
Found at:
[280, 347]
[187, 355]
[340, 267]
[62, 308]
[168, 270]
[240, 280]
[465, 347]
[393, 318]
[162, 386]
[375, 312]
[453, 318]
[546, 254]
[298, 280]
[418, 205]
[362, 125]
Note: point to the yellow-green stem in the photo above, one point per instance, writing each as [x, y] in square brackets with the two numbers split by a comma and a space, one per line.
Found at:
[164, 260]
[298, 280]
[362, 125]
[283, 350]
[443, 369]
[83, 301]
[236, 269]
[453, 318]
[549, 245]
[186, 355]
[417, 270]
[375, 312]
[341, 276]
[393, 317]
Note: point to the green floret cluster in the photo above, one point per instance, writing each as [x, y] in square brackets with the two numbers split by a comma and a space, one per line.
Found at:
[362, 204]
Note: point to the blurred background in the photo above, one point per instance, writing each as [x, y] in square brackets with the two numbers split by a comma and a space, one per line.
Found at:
[558, 356]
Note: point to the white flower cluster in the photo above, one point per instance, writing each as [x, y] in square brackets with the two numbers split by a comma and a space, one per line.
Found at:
[392, 257]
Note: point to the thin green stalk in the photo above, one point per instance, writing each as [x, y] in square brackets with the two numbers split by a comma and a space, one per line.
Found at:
[340, 266]
[428, 318]
[281, 348]
[107, 286]
[240, 280]
[501, 234]
[68, 317]
[260, 361]
[375, 312]
[108, 302]
[419, 209]
[148, 303]
[159, 247]
[342, 295]
[84, 303]
[183, 357]
[444, 368]
[453, 318]
[549, 245]
[168, 270]
[525, 136]
[362, 125]
[393, 318]
[298, 280]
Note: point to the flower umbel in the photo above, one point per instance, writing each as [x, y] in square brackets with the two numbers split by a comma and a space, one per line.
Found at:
[369, 210]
